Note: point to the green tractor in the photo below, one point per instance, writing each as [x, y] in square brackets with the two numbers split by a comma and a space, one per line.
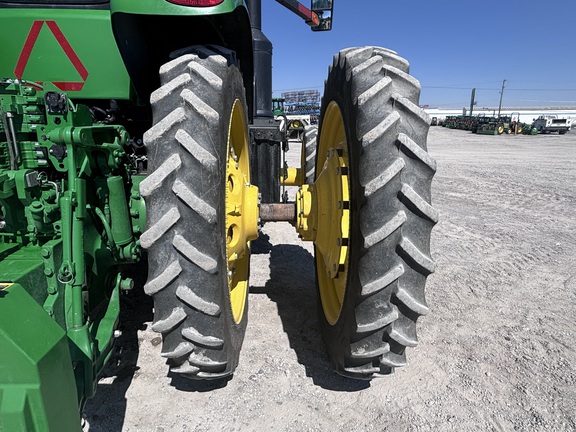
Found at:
[295, 123]
[142, 133]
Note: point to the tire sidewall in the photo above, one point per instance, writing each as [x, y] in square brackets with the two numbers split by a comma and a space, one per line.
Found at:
[233, 89]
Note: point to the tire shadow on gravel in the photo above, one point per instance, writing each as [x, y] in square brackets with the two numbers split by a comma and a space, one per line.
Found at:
[184, 384]
[292, 287]
[106, 411]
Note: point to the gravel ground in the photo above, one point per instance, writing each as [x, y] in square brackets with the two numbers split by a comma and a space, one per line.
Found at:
[497, 352]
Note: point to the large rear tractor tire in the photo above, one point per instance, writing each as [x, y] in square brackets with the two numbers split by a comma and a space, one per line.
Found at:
[374, 172]
[201, 212]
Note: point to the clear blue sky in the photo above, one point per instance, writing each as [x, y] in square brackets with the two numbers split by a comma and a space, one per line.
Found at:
[452, 46]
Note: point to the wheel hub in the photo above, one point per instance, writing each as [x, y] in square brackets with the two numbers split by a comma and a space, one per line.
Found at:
[323, 213]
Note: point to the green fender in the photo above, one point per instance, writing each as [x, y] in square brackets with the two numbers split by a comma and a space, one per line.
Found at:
[156, 7]
[147, 32]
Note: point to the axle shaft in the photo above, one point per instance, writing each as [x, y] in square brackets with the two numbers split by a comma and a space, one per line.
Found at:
[278, 212]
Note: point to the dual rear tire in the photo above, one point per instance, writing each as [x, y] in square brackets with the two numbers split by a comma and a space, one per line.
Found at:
[368, 318]
[372, 170]
[198, 158]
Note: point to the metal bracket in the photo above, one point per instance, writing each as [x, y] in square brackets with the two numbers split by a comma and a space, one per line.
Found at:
[265, 130]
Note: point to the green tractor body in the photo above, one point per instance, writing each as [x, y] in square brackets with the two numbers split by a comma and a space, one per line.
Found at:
[146, 128]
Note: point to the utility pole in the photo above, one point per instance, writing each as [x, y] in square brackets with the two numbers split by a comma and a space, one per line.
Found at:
[501, 95]
[472, 102]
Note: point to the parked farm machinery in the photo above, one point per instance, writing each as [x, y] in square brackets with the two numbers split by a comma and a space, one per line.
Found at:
[489, 125]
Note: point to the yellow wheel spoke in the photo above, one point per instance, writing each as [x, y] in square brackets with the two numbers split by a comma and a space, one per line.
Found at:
[331, 192]
[241, 211]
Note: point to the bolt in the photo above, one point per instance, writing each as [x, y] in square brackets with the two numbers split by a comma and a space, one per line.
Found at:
[126, 284]
[65, 276]
[48, 272]
[117, 333]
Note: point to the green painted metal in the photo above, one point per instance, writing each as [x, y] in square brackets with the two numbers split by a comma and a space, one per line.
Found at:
[155, 7]
[70, 208]
[86, 67]
[121, 224]
[70, 215]
[37, 386]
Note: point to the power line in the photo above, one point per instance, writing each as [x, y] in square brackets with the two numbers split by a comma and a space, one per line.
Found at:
[458, 88]
[496, 89]
[528, 89]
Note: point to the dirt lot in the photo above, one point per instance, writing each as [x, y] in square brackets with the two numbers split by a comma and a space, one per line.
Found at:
[497, 352]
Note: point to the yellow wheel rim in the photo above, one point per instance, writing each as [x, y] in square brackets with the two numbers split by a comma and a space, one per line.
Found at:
[333, 222]
[241, 211]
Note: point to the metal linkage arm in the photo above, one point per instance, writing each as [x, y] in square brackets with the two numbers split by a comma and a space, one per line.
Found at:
[302, 11]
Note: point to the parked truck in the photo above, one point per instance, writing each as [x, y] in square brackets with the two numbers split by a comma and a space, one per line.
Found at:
[552, 123]
[142, 133]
